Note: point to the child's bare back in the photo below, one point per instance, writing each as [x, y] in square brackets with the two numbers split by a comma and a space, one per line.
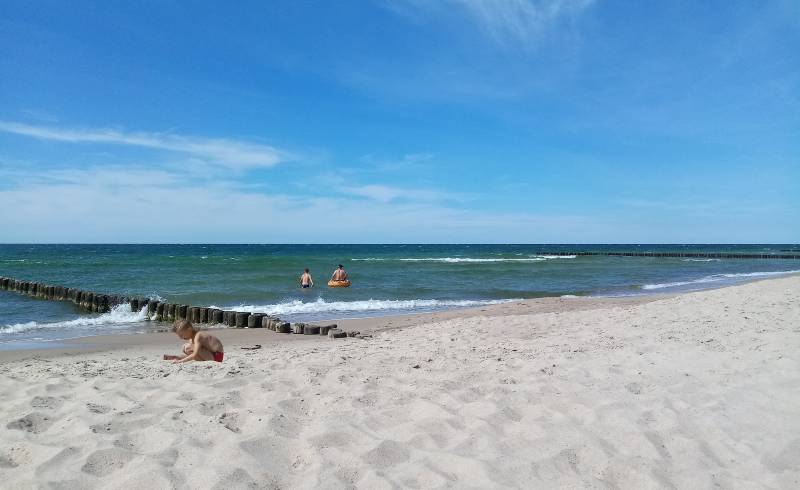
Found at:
[201, 345]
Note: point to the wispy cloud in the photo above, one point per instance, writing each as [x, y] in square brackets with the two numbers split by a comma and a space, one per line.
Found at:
[230, 153]
[221, 211]
[515, 22]
[409, 161]
[509, 23]
[385, 193]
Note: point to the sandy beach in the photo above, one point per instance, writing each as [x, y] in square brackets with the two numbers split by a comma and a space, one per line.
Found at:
[698, 390]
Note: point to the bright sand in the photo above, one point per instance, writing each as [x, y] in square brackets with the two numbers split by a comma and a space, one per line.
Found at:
[692, 391]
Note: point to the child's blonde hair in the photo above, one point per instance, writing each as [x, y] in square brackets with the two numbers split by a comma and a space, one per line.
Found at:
[181, 325]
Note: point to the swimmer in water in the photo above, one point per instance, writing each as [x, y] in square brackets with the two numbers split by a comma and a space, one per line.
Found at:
[339, 274]
[306, 281]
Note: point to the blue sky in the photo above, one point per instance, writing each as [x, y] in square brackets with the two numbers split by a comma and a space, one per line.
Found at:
[400, 121]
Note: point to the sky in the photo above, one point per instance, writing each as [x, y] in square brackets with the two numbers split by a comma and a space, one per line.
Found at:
[400, 121]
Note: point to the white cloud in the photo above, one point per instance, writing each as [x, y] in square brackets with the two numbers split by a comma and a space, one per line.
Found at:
[230, 153]
[120, 205]
[125, 205]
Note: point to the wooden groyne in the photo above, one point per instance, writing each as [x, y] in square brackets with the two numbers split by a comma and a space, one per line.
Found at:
[160, 311]
[700, 255]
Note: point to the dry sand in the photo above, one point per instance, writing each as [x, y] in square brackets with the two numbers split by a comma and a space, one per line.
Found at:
[699, 390]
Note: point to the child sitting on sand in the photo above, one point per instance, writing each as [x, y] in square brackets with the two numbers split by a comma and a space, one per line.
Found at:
[201, 346]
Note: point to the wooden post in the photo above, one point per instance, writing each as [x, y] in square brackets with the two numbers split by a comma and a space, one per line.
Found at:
[231, 320]
[254, 320]
[152, 307]
[102, 303]
[88, 301]
[241, 318]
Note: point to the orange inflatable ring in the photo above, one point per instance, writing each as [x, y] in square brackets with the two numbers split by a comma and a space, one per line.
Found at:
[338, 284]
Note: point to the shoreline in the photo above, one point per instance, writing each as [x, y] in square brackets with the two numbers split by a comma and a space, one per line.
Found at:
[366, 325]
[237, 337]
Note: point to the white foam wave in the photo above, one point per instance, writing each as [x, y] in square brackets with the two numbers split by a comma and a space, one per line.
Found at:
[321, 306]
[468, 260]
[717, 278]
[701, 260]
[121, 315]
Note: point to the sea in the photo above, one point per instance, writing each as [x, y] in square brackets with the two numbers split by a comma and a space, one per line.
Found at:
[386, 279]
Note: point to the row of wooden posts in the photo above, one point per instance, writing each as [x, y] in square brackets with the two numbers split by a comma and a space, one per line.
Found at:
[165, 312]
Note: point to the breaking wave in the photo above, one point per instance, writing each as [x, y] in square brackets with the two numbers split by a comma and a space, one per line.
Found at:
[371, 305]
[716, 278]
[121, 316]
[468, 260]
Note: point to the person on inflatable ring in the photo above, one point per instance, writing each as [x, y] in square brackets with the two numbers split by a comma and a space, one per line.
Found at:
[339, 274]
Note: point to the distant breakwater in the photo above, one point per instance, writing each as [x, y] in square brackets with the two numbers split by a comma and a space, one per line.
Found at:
[166, 312]
[705, 255]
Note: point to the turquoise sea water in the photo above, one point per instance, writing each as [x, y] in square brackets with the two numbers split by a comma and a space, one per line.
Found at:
[387, 279]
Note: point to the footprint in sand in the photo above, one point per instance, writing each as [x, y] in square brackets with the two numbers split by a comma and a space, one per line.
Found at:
[230, 420]
[168, 458]
[269, 449]
[634, 388]
[6, 461]
[511, 414]
[47, 402]
[284, 426]
[388, 453]
[33, 422]
[59, 387]
[14, 457]
[295, 406]
[106, 461]
[62, 459]
[240, 478]
[95, 408]
[332, 439]
[219, 406]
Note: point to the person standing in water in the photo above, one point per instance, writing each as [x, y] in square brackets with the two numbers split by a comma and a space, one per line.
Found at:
[339, 274]
[305, 280]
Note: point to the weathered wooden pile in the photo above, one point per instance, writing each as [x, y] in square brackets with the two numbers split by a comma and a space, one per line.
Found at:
[160, 311]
